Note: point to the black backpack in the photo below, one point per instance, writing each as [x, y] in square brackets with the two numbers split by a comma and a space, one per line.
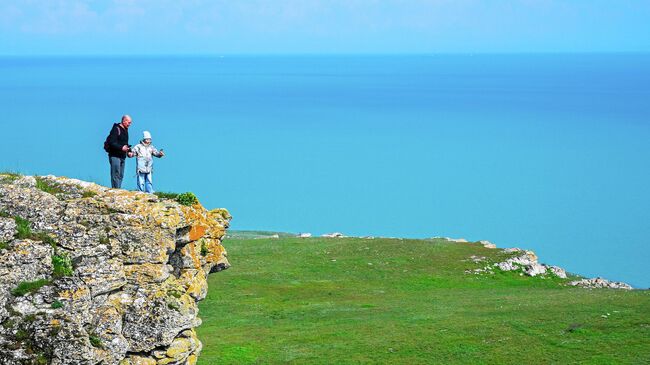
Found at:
[107, 146]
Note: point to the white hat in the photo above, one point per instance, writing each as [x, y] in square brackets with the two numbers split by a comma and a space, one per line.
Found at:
[146, 135]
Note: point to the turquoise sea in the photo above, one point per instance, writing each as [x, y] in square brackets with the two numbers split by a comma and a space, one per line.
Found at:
[544, 152]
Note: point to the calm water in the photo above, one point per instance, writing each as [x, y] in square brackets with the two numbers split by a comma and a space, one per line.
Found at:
[545, 152]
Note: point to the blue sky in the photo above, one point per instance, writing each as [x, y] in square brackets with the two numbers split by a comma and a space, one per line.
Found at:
[319, 26]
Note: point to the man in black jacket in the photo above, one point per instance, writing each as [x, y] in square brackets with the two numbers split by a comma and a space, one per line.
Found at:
[118, 149]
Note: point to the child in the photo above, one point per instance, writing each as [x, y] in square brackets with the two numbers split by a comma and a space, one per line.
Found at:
[144, 153]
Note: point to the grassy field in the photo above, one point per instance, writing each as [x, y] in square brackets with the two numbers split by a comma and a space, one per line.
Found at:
[352, 301]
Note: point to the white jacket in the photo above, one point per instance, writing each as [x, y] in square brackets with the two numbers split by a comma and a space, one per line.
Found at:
[144, 156]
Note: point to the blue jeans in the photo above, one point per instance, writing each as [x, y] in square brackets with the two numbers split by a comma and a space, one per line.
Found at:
[117, 171]
[145, 182]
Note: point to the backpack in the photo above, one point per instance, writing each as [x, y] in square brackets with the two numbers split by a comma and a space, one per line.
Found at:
[107, 146]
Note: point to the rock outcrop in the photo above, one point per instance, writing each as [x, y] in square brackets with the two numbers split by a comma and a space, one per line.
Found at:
[91, 275]
[599, 283]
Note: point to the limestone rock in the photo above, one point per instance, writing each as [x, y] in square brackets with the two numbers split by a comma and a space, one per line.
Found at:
[106, 276]
[598, 283]
[333, 235]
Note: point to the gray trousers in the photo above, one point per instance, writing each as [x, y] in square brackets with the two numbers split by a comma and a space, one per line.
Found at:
[117, 171]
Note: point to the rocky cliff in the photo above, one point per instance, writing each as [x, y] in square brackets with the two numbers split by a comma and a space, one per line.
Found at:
[91, 275]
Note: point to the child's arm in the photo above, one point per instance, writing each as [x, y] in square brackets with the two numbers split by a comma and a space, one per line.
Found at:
[156, 153]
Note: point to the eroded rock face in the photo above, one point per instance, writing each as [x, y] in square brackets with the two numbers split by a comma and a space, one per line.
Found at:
[137, 265]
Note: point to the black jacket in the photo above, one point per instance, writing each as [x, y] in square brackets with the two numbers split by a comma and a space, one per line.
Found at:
[118, 137]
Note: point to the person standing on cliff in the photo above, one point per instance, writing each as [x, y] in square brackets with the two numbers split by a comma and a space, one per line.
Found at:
[144, 153]
[118, 148]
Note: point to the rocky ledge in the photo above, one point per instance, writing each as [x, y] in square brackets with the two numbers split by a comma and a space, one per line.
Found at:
[91, 275]
[526, 262]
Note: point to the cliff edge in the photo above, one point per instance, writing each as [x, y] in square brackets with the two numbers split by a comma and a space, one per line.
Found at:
[92, 275]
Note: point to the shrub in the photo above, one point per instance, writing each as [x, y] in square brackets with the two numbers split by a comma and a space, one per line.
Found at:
[47, 186]
[62, 265]
[187, 199]
[27, 287]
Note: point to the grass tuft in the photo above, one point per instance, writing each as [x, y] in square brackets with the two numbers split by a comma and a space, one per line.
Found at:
[88, 194]
[204, 249]
[165, 195]
[57, 304]
[48, 186]
[95, 341]
[23, 228]
[28, 287]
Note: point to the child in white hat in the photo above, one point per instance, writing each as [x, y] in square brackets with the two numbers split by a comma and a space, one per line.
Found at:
[144, 153]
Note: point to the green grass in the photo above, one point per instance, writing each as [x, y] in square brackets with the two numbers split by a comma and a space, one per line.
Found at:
[56, 304]
[27, 287]
[233, 234]
[9, 177]
[352, 301]
[48, 186]
[88, 194]
[3, 245]
[165, 195]
[95, 341]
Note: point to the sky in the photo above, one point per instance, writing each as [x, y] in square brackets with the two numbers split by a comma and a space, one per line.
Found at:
[105, 27]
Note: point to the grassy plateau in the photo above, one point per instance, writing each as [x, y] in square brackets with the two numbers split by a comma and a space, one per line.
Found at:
[376, 301]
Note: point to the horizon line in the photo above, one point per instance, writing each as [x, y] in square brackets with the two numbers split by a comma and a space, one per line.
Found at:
[309, 54]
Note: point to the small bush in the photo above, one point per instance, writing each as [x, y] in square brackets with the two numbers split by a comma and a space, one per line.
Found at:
[57, 304]
[27, 287]
[88, 194]
[47, 186]
[23, 228]
[62, 265]
[187, 199]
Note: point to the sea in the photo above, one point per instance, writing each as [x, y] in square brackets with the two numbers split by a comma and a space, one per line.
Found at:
[547, 152]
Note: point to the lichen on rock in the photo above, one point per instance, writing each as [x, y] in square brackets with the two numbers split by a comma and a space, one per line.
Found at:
[139, 266]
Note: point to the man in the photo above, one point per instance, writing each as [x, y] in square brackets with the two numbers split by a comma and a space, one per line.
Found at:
[118, 148]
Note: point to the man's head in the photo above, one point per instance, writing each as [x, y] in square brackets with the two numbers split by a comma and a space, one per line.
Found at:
[126, 121]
